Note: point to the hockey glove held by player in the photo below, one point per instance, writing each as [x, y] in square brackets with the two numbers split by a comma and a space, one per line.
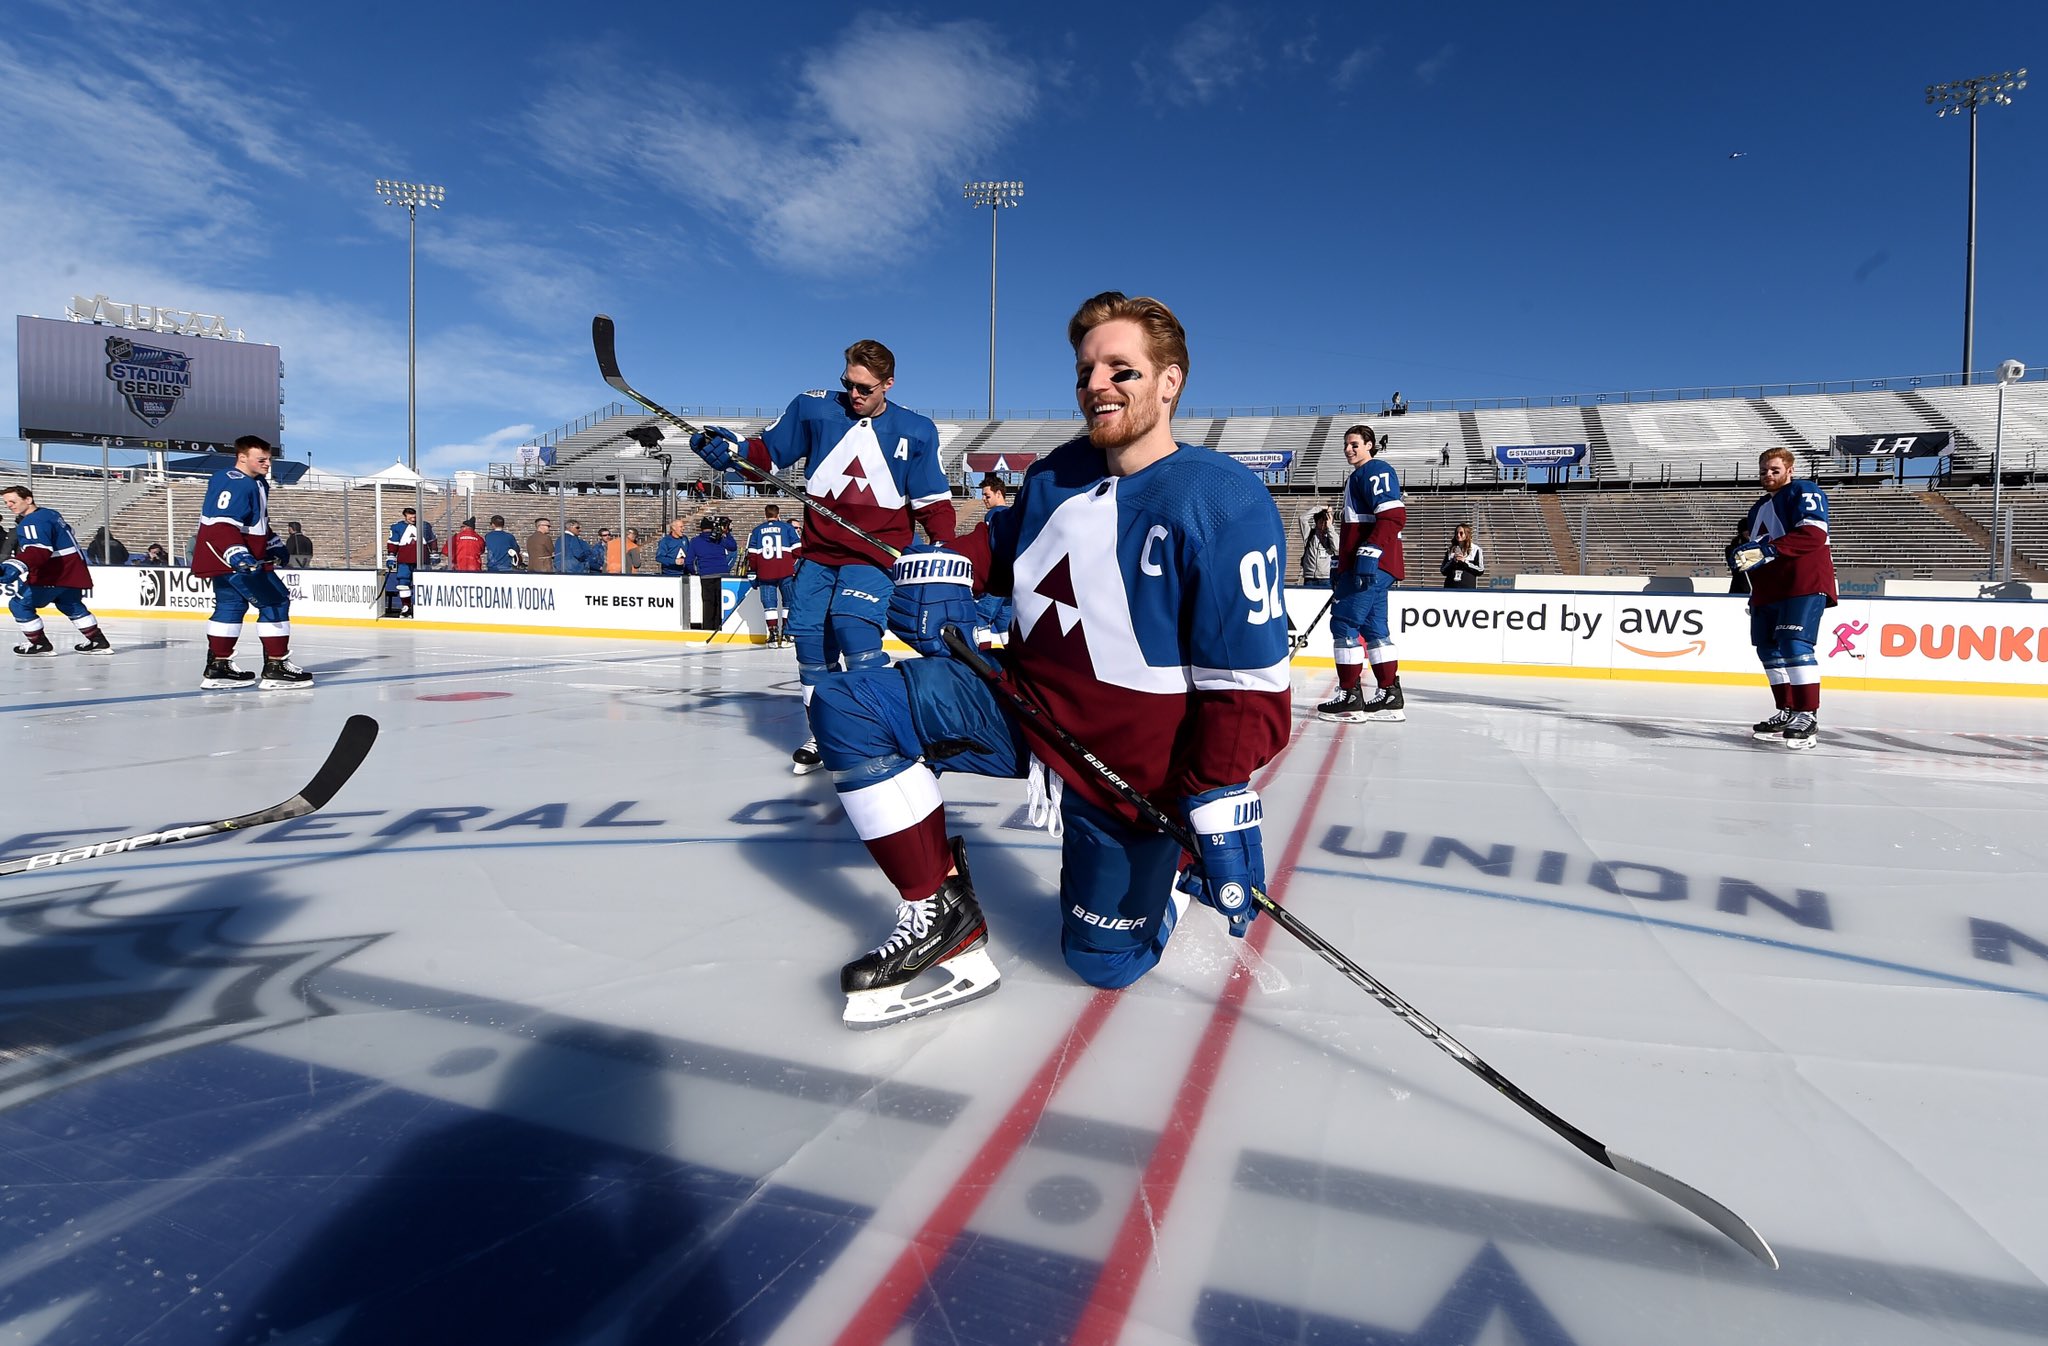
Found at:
[1747, 556]
[242, 560]
[1367, 562]
[1233, 856]
[390, 564]
[934, 588]
[275, 550]
[13, 578]
[714, 444]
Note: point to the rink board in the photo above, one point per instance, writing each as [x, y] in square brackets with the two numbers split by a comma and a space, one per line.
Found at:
[1904, 644]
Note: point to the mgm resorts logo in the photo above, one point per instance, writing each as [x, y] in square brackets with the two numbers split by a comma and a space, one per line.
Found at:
[175, 589]
[150, 379]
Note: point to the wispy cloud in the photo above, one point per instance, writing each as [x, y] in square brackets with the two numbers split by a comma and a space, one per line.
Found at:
[1428, 69]
[1212, 55]
[499, 446]
[879, 128]
[1355, 64]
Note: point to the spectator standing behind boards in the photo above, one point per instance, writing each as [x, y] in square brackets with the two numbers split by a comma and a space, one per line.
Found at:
[672, 553]
[1318, 547]
[501, 549]
[1464, 560]
[772, 555]
[540, 548]
[711, 553]
[156, 555]
[614, 551]
[630, 553]
[106, 550]
[47, 571]
[298, 548]
[573, 553]
[467, 546]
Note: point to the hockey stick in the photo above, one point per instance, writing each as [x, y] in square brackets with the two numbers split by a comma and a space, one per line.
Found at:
[1300, 639]
[1694, 1200]
[605, 339]
[343, 758]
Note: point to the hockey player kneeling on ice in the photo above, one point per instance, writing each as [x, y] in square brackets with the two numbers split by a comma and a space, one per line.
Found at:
[237, 550]
[1147, 621]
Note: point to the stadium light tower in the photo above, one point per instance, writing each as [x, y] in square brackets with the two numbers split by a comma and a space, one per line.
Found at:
[411, 195]
[1959, 96]
[994, 195]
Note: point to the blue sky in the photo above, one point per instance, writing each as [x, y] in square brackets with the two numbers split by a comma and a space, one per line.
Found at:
[1339, 200]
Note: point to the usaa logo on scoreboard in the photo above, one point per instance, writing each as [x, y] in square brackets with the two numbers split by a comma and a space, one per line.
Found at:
[150, 379]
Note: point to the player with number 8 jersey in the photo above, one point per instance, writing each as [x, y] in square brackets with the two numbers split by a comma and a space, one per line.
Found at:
[237, 550]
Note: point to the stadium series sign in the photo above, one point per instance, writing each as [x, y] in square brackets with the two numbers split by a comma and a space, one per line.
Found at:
[150, 379]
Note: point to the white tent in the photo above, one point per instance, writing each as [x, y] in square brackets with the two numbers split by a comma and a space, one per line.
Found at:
[313, 479]
[398, 474]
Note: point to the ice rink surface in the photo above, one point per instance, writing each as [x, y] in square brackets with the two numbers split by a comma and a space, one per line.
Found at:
[533, 1034]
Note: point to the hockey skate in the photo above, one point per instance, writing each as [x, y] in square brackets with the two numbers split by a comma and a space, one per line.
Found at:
[283, 675]
[221, 674]
[96, 643]
[939, 944]
[36, 644]
[1387, 704]
[1802, 730]
[1347, 707]
[1773, 729]
[806, 759]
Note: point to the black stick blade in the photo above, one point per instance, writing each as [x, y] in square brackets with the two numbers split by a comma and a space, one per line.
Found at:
[605, 340]
[357, 738]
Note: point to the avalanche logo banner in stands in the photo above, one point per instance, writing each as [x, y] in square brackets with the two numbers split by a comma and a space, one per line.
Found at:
[1009, 466]
[1539, 455]
[1918, 444]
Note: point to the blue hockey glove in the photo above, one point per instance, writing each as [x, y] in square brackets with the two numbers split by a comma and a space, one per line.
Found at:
[1747, 556]
[714, 444]
[13, 578]
[240, 559]
[934, 587]
[1233, 859]
[1367, 562]
[390, 564]
[275, 550]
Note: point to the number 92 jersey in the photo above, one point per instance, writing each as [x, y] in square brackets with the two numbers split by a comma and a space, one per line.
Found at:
[1148, 617]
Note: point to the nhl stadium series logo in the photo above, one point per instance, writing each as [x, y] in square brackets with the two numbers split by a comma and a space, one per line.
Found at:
[150, 379]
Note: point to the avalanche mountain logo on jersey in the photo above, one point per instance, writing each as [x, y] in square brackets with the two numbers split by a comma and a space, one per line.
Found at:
[150, 379]
[1072, 600]
[856, 469]
[86, 991]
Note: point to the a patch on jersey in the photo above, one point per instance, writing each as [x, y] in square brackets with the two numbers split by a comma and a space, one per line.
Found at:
[1071, 569]
[856, 470]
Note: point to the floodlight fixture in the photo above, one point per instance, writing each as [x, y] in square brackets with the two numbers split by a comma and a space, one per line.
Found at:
[996, 196]
[411, 195]
[1967, 95]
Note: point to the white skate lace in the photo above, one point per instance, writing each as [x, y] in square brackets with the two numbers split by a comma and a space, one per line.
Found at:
[913, 923]
[1043, 791]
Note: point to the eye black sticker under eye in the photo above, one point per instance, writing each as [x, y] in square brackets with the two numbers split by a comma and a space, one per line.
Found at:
[1125, 376]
